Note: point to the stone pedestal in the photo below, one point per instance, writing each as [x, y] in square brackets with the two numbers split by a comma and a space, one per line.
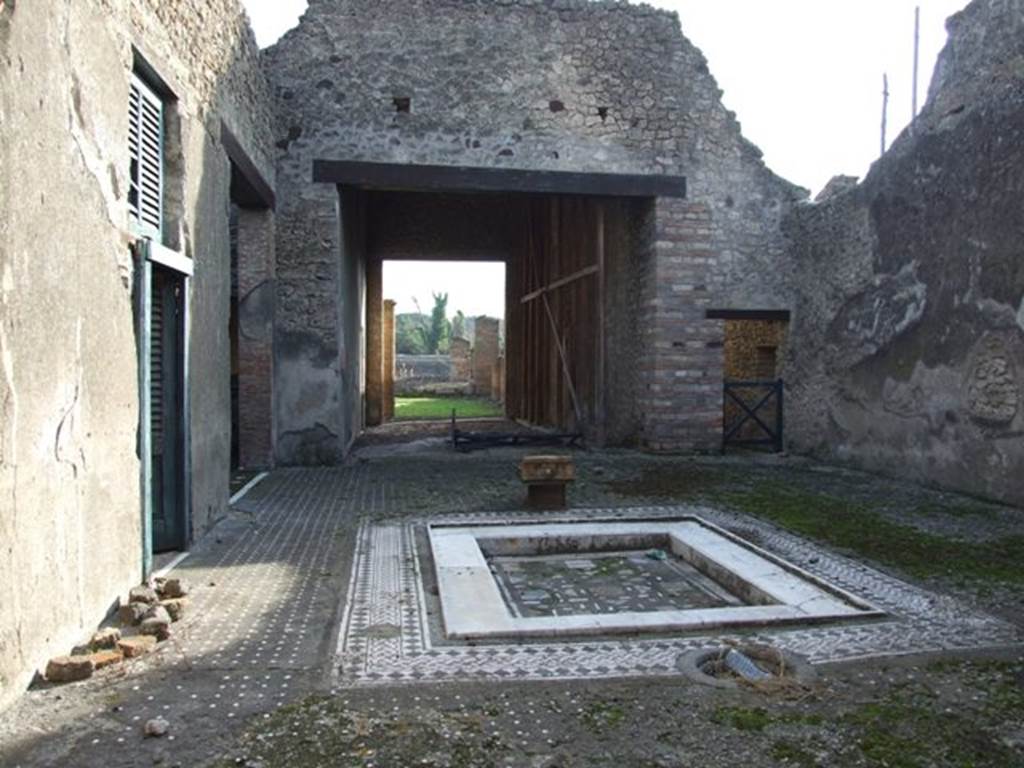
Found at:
[546, 479]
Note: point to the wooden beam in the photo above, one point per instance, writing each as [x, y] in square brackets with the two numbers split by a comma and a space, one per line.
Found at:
[248, 187]
[781, 315]
[586, 272]
[451, 178]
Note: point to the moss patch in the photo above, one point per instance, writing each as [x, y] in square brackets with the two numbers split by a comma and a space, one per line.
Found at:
[854, 527]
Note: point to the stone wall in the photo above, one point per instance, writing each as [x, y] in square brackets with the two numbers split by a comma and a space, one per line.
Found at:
[69, 400]
[567, 85]
[629, 259]
[486, 350]
[424, 374]
[907, 343]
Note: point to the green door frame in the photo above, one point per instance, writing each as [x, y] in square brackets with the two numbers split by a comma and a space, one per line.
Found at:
[150, 254]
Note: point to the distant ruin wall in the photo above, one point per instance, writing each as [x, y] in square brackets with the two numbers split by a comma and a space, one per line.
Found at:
[907, 342]
[461, 353]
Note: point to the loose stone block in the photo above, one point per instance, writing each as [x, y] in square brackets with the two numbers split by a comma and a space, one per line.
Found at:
[68, 669]
[105, 639]
[133, 647]
[170, 589]
[142, 594]
[175, 608]
[157, 622]
[132, 613]
[103, 659]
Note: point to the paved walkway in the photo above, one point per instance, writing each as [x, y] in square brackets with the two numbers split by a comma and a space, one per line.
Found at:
[269, 585]
[266, 587]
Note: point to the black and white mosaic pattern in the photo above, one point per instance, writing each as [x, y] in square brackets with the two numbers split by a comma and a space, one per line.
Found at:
[385, 635]
[604, 582]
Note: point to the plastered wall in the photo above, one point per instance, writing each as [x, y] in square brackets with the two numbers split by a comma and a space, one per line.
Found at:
[906, 352]
[70, 518]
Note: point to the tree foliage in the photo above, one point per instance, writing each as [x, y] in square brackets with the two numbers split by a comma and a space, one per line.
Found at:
[437, 335]
[417, 333]
[408, 340]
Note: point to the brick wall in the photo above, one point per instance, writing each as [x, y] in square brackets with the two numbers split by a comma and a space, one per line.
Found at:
[256, 302]
[683, 351]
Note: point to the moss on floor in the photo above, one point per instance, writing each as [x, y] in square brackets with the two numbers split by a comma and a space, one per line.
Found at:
[951, 715]
[852, 524]
[854, 527]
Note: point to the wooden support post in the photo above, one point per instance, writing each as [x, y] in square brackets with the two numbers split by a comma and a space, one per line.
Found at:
[388, 388]
[601, 405]
[374, 342]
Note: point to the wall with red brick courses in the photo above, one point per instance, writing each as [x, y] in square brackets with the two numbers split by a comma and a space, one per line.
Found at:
[681, 365]
[256, 303]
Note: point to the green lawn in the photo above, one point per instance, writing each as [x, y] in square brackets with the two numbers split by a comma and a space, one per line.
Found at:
[415, 408]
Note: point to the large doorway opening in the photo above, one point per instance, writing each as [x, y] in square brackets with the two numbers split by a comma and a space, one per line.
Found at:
[251, 319]
[565, 353]
[444, 328]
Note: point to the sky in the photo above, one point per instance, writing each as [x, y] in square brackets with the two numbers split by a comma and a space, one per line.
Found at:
[803, 76]
[475, 288]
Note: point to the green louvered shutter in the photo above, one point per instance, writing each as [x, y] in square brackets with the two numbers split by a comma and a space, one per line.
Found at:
[145, 142]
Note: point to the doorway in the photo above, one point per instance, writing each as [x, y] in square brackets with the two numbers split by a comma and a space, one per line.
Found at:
[167, 410]
[444, 339]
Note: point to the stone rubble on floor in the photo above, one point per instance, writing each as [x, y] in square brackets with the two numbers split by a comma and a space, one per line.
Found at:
[68, 669]
[133, 647]
[147, 616]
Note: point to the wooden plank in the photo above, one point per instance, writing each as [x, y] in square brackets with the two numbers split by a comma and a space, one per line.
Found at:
[473, 179]
[567, 280]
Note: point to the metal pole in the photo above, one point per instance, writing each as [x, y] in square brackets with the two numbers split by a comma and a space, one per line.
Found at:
[917, 57]
[885, 108]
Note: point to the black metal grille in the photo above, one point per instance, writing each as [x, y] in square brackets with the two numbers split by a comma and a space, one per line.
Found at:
[753, 414]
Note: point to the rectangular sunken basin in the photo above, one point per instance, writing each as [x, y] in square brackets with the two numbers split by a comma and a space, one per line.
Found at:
[607, 577]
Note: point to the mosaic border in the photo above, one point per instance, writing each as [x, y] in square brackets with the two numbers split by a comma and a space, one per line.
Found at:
[384, 637]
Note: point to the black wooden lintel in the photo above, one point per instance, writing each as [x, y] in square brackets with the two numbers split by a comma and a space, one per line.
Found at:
[450, 178]
[778, 315]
